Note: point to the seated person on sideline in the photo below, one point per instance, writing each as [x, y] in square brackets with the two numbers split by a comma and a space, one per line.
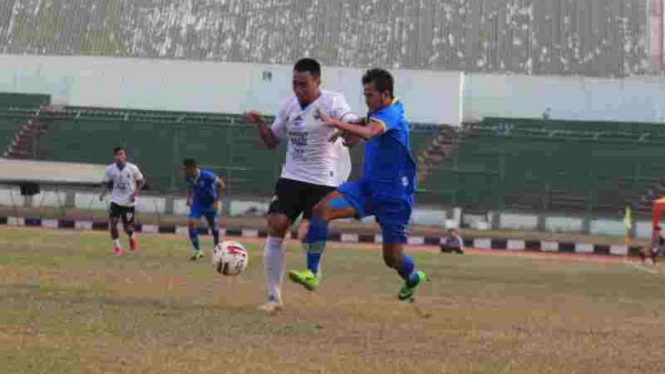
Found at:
[453, 242]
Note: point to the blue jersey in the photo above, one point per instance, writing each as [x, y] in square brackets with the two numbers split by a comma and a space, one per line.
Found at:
[388, 166]
[204, 188]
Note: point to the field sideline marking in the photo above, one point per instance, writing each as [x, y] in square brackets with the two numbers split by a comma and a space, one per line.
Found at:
[639, 266]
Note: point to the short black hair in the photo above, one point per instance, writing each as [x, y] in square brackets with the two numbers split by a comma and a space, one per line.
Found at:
[189, 163]
[383, 81]
[310, 65]
[117, 149]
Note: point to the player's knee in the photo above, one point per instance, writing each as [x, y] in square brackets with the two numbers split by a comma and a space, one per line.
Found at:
[321, 211]
[192, 223]
[392, 255]
[390, 259]
[278, 224]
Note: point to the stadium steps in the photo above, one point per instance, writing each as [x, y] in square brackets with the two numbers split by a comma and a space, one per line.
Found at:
[439, 150]
[25, 142]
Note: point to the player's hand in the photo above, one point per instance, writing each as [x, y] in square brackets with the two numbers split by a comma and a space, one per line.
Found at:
[254, 117]
[189, 202]
[135, 197]
[101, 197]
[325, 118]
[350, 140]
[215, 206]
[336, 135]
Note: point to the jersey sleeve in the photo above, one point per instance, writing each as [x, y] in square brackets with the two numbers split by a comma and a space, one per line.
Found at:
[386, 118]
[342, 111]
[209, 177]
[138, 176]
[107, 176]
[278, 126]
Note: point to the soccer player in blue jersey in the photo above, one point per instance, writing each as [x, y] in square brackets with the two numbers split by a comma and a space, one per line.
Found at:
[203, 196]
[385, 189]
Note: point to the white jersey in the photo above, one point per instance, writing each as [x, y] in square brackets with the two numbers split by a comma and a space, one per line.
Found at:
[310, 157]
[124, 183]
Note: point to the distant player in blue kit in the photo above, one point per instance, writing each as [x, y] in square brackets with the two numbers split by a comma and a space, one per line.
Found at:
[203, 196]
[385, 189]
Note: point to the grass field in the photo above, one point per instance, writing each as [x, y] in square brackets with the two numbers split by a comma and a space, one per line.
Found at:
[68, 306]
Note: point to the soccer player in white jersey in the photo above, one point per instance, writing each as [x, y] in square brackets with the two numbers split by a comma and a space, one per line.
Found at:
[314, 166]
[125, 180]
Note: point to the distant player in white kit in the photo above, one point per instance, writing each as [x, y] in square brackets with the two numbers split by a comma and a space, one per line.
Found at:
[125, 180]
[314, 166]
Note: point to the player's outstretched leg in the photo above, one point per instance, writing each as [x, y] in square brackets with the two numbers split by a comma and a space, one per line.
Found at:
[115, 236]
[333, 206]
[193, 228]
[395, 258]
[274, 260]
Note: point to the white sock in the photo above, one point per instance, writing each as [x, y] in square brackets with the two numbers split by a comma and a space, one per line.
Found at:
[274, 263]
[116, 243]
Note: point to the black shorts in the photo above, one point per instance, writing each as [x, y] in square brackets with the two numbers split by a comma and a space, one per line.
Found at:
[126, 213]
[293, 198]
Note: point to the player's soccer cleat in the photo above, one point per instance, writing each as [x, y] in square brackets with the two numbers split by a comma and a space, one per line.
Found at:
[407, 290]
[118, 251]
[306, 278]
[133, 245]
[272, 306]
[196, 255]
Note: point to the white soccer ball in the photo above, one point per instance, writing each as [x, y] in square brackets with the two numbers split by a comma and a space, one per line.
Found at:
[229, 258]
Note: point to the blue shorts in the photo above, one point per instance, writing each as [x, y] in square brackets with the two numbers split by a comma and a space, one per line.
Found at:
[196, 211]
[392, 213]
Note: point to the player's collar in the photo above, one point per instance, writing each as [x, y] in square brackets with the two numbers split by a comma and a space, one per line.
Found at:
[393, 102]
[196, 178]
[120, 166]
[304, 108]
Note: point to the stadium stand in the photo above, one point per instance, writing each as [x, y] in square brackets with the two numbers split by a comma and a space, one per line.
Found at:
[17, 130]
[495, 164]
[550, 166]
[558, 37]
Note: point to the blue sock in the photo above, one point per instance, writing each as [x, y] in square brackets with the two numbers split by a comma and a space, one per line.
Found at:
[194, 237]
[313, 261]
[315, 243]
[215, 236]
[406, 270]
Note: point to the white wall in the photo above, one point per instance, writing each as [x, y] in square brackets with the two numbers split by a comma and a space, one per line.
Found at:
[640, 99]
[211, 86]
[440, 97]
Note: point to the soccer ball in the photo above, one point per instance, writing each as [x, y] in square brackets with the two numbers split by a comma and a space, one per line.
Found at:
[229, 258]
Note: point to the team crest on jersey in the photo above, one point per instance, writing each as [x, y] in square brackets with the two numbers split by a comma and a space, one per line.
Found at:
[298, 121]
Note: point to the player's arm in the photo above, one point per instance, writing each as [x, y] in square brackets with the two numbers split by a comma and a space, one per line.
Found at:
[372, 129]
[219, 185]
[140, 182]
[139, 186]
[107, 184]
[189, 197]
[342, 111]
[351, 140]
[265, 132]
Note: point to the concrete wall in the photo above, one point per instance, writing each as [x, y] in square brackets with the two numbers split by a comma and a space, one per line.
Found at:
[638, 99]
[435, 97]
[432, 97]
